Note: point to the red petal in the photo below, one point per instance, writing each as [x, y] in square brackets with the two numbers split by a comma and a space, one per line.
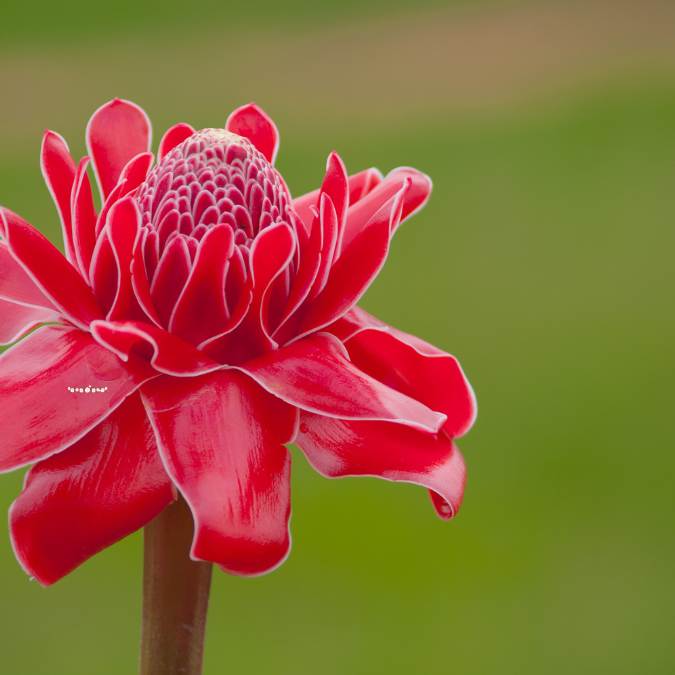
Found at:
[140, 282]
[173, 137]
[221, 440]
[270, 254]
[327, 221]
[335, 185]
[123, 226]
[41, 416]
[135, 172]
[16, 285]
[414, 199]
[309, 254]
[170, 278]
[417, 369]
[17, 320]
[58, 170]
[116, 132]
[201, 311]
[315, 374]
[360, 184]
[251, 122]
[84, 219]
[103, 272]
[117, 192]
[167, 353]
[99, 490]
[53, 274]
[354, 271]
[336, 448]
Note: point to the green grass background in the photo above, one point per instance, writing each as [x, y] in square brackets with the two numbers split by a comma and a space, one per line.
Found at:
[544, 261]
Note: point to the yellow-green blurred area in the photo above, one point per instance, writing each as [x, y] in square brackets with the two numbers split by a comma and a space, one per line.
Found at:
[544, 261]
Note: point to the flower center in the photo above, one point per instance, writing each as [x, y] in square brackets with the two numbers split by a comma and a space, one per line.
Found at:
[211, 178]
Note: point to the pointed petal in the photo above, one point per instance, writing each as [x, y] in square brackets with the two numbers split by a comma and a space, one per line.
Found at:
[52, 273]
[315, 374]
[84, 219]
[309, 263]
[135, 172]
[41, 415]
[221, 440]
[103, 272]
[360, 184]
[327, 222]
[335, 185]
[173, 137]
[416, 196]
[167, 353]
[17, 320]
[253, 123]
[58, 170]
[357, 267]
[170, 278]
[338, 448]
[270, 254]
[101, 489]
[15, 283]
[116, 132]
[417, 369]
[201, 311]
[123, 227]
[140, 282]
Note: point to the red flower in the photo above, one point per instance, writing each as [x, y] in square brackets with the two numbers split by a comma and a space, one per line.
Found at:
[198, 324]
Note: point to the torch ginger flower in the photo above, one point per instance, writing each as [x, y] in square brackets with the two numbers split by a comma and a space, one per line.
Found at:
[197, 324]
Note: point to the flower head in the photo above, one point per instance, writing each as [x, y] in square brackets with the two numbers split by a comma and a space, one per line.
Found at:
[200, 321]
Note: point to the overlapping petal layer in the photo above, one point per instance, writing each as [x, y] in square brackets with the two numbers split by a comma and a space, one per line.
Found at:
[117, 131]
[17, 320]
[315, 374]
[221, 438]
[411, 366]
[204, 284]
[338, 448]
[54, 276]
[40, 415]
[99, 490]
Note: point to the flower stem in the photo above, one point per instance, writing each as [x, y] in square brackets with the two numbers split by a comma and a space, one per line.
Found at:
[175, 596]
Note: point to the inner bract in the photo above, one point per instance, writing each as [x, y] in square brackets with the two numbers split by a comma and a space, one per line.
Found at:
[213, 177]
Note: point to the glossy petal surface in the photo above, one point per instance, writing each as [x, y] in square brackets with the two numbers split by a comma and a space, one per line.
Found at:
[173, 137]
[15, 283]
[338, 448]
[58, 170]
[415, 198]
[17, 320]
[102, 488]
[418, 369]
[116, 132]
[167, 353]
[221, 438]
[315, 374]
[40, 415]
[53, 274]
[251, 122]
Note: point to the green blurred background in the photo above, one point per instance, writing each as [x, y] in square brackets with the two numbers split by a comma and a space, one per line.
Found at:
[544, 261]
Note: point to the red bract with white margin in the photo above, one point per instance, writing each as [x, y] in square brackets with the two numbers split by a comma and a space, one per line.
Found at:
[215, 319]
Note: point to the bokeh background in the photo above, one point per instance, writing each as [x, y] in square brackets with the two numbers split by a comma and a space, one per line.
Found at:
[544, 261]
